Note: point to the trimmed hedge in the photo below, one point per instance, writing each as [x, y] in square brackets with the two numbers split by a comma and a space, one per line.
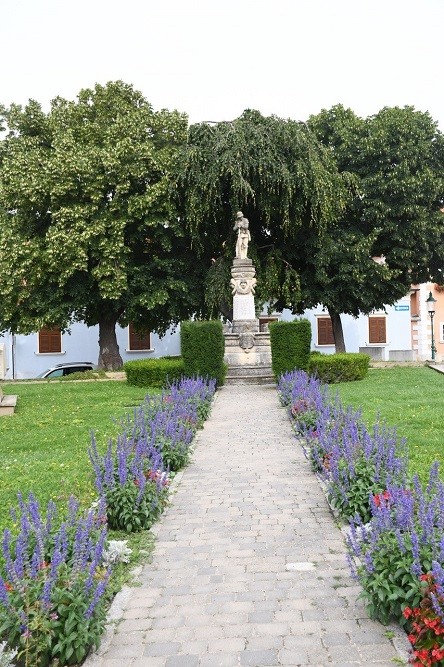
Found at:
[203, 348]
[154, 372]
[344, 367]
[290, 346]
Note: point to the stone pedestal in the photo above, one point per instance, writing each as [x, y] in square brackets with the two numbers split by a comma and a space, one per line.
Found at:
[247, 351]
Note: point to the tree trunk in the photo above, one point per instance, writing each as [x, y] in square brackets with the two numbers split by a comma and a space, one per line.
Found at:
[109, 355]
[338, 333]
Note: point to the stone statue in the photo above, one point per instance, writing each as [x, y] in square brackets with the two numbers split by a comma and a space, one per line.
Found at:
[243, 235]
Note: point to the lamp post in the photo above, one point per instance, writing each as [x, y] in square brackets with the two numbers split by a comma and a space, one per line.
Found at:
[431, 310]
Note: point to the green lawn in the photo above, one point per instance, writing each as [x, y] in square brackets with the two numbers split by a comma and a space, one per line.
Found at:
[412, 399]
[43, 446]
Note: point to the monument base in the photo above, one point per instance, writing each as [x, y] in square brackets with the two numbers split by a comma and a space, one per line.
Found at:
[248, 355]
[247, 351]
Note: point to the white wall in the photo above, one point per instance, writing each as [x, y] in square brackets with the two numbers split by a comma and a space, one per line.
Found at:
[356, 330]
[23, 360]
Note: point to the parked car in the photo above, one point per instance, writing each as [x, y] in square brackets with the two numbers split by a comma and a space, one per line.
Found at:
[60, 370]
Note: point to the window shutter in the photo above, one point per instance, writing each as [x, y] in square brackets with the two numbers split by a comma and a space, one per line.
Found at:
[137, 340]
[377, 330]
[325, 331]
[50, 341]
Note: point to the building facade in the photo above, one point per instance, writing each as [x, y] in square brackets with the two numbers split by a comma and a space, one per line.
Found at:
[402, 332]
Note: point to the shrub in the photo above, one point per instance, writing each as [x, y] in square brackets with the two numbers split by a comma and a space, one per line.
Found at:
[290, 346]
[333, 368]
[203, 348]
[132, 476]
[360, 464]
[154, 372]
[131, 480]
[354, 463]
[402, 541]
[52, 585]
[84, 375]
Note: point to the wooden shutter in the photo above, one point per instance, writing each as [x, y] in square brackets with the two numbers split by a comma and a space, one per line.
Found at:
[325, 331]
[50, 340]
[376, 330]
[137, 340]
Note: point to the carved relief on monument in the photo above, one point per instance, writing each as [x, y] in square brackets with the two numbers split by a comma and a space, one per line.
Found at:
[243, 284]
[246, 341]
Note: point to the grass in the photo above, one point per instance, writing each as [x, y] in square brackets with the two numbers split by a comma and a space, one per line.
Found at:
[44, 444]
[412, 400]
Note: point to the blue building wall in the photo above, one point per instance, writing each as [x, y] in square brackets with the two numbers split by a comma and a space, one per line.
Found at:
[23, 361]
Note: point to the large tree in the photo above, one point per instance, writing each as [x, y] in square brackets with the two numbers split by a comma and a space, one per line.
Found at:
[394, 165]
[323, 199]
[91, 233]
[284, 181]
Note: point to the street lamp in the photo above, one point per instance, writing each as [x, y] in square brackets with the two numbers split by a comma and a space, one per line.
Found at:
[431, 310]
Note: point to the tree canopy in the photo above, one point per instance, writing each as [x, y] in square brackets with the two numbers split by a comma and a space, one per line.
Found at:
[286, 184]
[394, 164]
[91, 232]
[113, 213]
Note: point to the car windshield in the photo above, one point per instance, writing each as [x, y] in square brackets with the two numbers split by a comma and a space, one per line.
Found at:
[56, 373]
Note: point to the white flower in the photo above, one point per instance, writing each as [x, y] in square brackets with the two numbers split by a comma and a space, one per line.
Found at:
[117, 551]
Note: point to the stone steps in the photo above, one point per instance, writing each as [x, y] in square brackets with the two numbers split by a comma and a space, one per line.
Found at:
[250, 375]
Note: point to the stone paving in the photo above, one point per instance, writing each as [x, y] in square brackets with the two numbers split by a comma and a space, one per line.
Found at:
[249, 566]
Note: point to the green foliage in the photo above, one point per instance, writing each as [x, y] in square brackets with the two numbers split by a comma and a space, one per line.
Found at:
[67, 636]
[304, 416]
[83, 375]
[392, 165]
[203, 347]
[154, 372]
[91, 233]
[129, 512]
[333, 368]
[281, 177]
[290, 345]
[361, 483]
[175, 456]
[391, 585]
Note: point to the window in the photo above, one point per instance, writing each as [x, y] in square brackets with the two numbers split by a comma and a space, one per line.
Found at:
[138, 340]
[50, 341]
[325, 331]
[264, 321]
[376, 330]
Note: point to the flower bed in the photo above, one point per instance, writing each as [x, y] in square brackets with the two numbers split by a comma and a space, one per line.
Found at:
[396, 541]
[54, 573]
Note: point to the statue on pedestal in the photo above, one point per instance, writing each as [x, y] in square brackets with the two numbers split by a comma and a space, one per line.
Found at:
[243, 235]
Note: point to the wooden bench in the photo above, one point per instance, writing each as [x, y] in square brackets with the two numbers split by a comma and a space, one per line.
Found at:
[7, 403]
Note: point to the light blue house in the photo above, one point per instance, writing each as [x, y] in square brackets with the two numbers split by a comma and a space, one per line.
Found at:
[24, 357]
[385, 335]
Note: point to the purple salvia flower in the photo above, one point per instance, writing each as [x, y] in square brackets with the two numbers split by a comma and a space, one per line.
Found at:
[4, 595]
[98, 594]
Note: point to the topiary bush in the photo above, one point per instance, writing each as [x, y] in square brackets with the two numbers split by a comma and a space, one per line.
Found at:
[154, 372]
[344, 367]
[203, 348]
[290, 346]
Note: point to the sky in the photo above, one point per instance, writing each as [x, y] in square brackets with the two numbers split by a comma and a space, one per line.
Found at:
[215, 58]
